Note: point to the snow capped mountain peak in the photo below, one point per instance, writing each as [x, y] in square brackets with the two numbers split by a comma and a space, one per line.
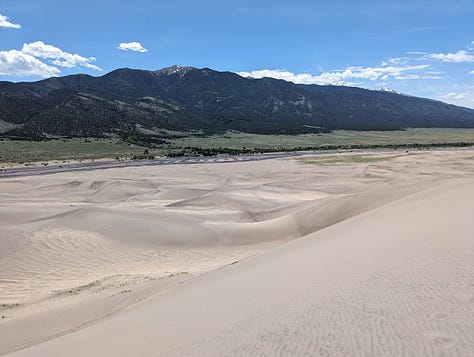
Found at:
[176, 69]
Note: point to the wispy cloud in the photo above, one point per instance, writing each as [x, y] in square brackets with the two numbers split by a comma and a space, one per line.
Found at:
[380, 73]
[463, 96]
[345, 77]
[41, 60]
[299, 78]
[132, 46]
[457, 57]
[413, 66]
[7, 24]
[461, 56]
[456, 96]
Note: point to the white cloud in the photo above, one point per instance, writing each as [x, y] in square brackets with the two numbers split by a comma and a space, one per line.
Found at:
[300, 78]
[7, 24]
[435, 72]
[60, 58]
[40, 60]
[343, 77]
[464, 96]
[132, 46]
[456, 96]
[416, 53]
[406, 59]
[472, 72]
[458, 57]
[17, 63]
[375, 73]
[461, 56]
[417, 76]
[395, 61]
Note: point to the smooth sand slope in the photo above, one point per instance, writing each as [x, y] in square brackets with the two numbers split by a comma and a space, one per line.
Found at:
[385, 265]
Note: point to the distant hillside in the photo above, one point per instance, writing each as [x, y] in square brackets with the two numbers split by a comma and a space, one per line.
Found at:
[185, 98]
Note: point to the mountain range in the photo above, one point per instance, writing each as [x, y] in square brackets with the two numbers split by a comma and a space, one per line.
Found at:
[186, 98]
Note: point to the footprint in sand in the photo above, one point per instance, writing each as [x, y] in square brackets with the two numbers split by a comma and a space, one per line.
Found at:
[444, 342]
[439, 340]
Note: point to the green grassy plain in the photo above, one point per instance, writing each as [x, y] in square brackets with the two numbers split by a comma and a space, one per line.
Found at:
[337, 138]
[15, 151]
[12, 151]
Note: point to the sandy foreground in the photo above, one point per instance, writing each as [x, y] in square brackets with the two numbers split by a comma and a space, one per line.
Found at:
[341, 255]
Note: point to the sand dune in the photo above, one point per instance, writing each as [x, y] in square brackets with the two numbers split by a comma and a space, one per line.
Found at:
[394, 281]
[384, 265]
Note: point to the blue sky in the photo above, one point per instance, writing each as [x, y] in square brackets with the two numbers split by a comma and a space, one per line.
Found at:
[422, 48]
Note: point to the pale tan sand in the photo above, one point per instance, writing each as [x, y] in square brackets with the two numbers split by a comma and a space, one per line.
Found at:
[386, 265]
